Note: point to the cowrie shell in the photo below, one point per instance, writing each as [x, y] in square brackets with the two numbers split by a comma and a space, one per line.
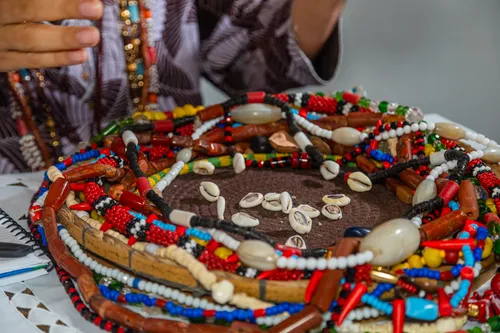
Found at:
[244, 220]
[273, 206]
[221, 207]
[203, 167]
[333, 212]
[309, 211]
[296, 241]
[286, 202]
[329, 169]
[252, 199]
[272, 196]
[209, 191]
[299, 222]
[340, 200]
[359, 182]
[239, 163]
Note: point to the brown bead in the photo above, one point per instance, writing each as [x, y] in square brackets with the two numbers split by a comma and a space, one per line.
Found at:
[144, 138]
[109, 139]
[208, 148]
[321, 145]
[392, 118]
[182, 141]
[403, 192]
[159, 165]
[365, 164]
[89, 171]
[467, 199]
[332, 122]
[241, 147]
[283, 142]
[410, 178]
[440, 184]
[328, 286]
[404, 147]
[429, 285]
[443, 226]
[338, 149]
[363, 119]
[161, 140]
[310, 317]
[246, 132]
[58, 193]
[211, 112]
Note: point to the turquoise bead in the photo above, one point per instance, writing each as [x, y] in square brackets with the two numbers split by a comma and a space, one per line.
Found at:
[134, 12]
[422, 309]
[140, 68]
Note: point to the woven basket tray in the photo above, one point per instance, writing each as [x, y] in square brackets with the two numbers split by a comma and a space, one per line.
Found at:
[305, 186]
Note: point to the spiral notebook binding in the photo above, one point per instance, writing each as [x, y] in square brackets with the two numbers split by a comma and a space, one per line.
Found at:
[7, 222]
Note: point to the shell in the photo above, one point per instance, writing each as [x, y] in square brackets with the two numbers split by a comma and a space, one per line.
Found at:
[425, 191]
[221, 207]
[359, 182]
[210, 191]
[296, 241]
[272, 196]
[340, 200]
[239, 163]
[332, 212]
[252, 199]
[286, 202]
[244, 220]
[299, 222]
[329, 169]
[257, 254]
[273, 206]
[309, 211]
[203, 167]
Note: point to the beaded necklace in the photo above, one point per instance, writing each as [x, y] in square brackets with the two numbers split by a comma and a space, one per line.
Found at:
[206, 241]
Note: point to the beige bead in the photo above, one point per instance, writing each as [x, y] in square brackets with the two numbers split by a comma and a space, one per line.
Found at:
[257, 254]
[222, 291]
[450, 131]
[391, 242]
[492, 154]
[425, 191]
[346, 136]
[256, 113]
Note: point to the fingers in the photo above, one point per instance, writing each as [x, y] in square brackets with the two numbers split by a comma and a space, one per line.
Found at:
[13, 60]
[18, 11]
[45, 38]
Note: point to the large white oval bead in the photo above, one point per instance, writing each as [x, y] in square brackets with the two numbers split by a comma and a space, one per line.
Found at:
[492, 154]
[347, 136]
[425, 191]
[450, 131]
[256, 113]
[391, 242]
[257, 254]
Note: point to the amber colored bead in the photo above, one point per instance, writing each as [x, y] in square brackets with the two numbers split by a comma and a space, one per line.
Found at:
[161, 140]
[365, 164]
[211, 112]
[403, 192]
[363, 119]
[443, 226]
[57, 194]
[410, 178]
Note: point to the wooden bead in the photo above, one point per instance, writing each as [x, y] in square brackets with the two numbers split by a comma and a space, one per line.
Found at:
[410, 178]
[321, 145]
[309, 318]
[467, 199]
[444, 226]
[404, 147]
[363, 119]
[58, 192]
[365, 164]
[403, 192]
[327, 289]
[211, 112]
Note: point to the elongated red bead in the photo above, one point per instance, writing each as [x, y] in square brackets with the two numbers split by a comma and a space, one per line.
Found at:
[132, 200]
[351, 302]
[452, 244]
[398, 315]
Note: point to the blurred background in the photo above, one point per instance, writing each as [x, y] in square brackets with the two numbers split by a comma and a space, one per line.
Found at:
[440, 55]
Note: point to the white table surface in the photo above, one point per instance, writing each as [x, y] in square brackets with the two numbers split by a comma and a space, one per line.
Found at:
[15, 200]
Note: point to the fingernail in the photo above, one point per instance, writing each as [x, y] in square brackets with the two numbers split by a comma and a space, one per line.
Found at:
[91, 9]
[88, 37]
[77, 57]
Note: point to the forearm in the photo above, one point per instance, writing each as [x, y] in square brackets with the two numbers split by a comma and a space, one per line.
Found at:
[314, 22]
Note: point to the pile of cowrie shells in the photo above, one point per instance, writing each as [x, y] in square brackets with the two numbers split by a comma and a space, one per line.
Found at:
[300, 217]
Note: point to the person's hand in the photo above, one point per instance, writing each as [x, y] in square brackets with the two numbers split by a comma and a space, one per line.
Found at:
[24, 43]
